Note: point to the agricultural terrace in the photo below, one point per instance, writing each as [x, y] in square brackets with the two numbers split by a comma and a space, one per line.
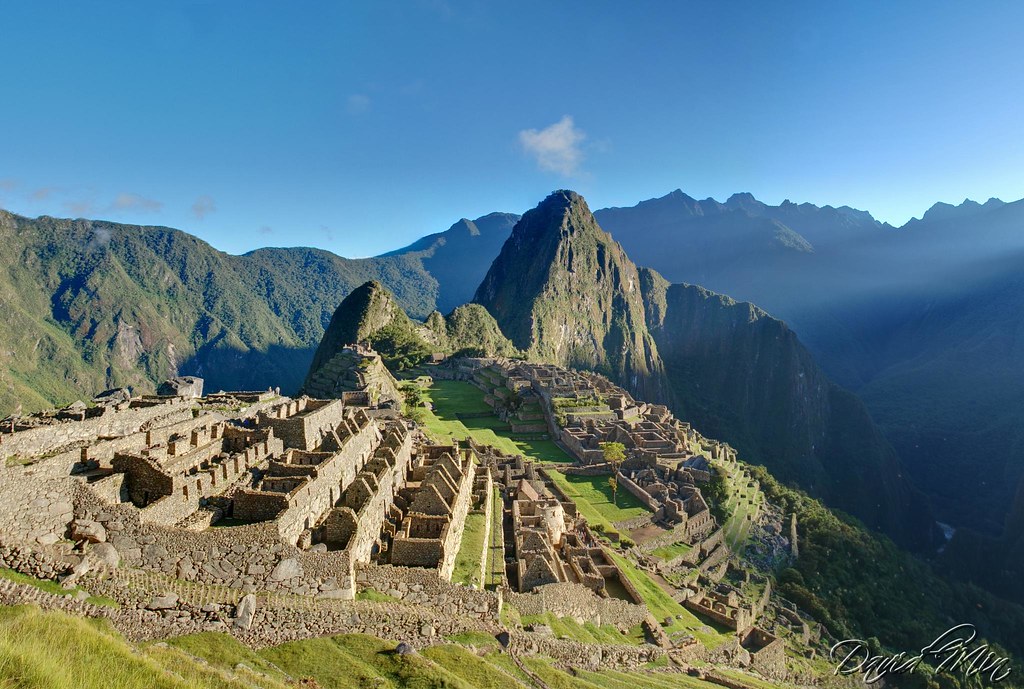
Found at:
[744, 505]
[459, 412]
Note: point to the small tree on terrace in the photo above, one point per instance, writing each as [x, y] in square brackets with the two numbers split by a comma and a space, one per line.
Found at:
[615, 455]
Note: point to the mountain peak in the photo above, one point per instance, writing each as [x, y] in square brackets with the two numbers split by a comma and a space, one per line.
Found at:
[741, 200]
[563, 290]
[945, 211]
[562, 198]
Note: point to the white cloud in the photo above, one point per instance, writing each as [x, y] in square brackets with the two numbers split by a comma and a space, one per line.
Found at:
[556, 147]
[358, 103]
[203, 206]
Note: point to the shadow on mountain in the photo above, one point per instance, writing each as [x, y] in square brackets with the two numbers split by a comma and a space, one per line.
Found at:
[228, 368]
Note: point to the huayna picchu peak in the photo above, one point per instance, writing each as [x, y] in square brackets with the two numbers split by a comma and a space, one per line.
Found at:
[564, 291]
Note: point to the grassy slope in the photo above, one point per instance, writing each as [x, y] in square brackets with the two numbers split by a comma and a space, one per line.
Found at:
[593, 498]
[662, 605]
[53, 650]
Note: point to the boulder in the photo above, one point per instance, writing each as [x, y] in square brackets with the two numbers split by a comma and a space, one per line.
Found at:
[405, 649]
[106, 553]
[86, 530]
[168, 601]
[112, 397]
[245, 611]
[47, 539]
[181, 386]
[288, 568]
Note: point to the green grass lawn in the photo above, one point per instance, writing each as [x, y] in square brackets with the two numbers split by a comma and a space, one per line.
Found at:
[467, 562]
[453, 397]
[669, 552]
[593, 498]
[495, 567]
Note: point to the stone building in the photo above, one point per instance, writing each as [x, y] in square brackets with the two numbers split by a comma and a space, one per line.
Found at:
[167, 480]
[438, 497]
[297, 489]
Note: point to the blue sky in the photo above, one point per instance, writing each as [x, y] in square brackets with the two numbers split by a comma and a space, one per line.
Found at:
[359, 127]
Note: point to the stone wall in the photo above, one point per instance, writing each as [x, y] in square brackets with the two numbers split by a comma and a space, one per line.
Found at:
[304, 423]
[424, 586]
[488, 510]
[57, 437]
[574, 654]
[567, 599]
[452, 537]
[356, 525]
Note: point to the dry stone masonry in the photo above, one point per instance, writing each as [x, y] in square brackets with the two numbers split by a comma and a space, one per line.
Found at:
[274, 518]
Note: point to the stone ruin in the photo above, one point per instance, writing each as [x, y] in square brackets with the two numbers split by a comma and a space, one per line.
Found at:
[355, 372]
[170, 500]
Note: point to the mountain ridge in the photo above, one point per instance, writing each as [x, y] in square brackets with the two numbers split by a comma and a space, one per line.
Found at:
[727, 365]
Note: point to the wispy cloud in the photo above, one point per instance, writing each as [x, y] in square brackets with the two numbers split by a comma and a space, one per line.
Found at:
[266, 229]
[358, 103]
[134, 202]
[556, 148]
[203, 206]
[79, 208]
[44, 193]
[8, 183]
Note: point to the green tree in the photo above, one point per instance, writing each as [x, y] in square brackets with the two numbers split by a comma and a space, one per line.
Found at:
[614, 454]
[400, 348]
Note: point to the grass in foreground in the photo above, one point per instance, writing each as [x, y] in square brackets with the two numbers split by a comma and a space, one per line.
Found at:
[53, 650]
[56, 651]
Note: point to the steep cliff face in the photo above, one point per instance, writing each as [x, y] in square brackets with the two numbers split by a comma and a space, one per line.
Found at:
[564, 292]
[743, 376]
